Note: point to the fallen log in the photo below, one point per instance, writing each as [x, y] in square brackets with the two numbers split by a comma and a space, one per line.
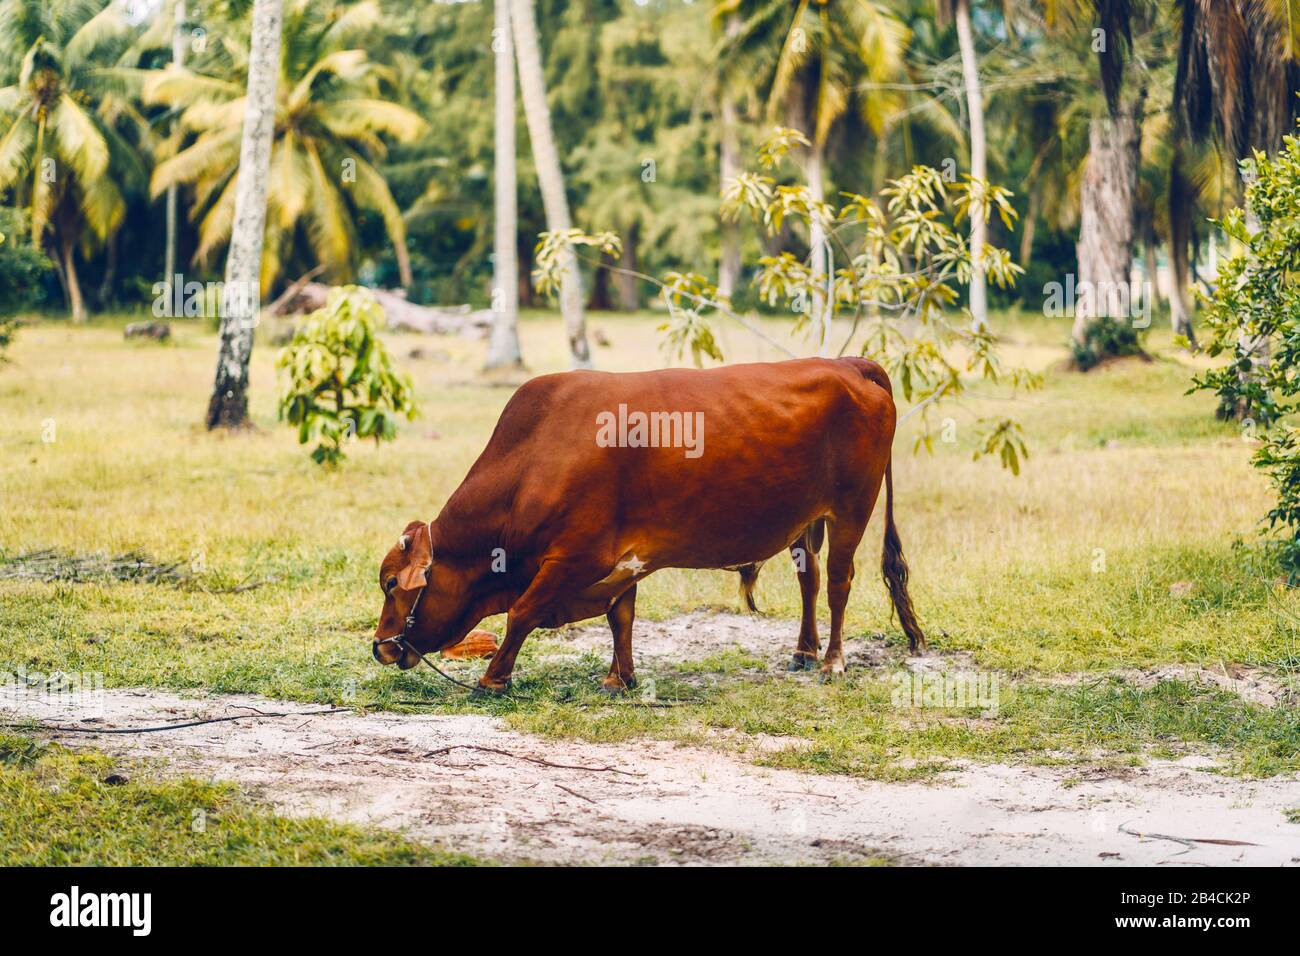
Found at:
[402, 315]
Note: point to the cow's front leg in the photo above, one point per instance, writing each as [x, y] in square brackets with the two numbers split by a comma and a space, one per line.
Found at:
[523, 618]
[496, 679]
[621, 615]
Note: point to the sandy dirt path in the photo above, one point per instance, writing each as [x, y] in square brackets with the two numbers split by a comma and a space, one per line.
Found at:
[668, 804]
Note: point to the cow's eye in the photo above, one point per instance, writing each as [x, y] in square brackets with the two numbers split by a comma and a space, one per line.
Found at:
[389, 585]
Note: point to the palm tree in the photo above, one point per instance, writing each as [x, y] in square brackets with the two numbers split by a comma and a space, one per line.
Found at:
[549, 175]
[329, 118]
[729, 154]
[646, 78]
[828, 56]
[503, 348]
[178, 60]
[228, 407]
[61, 154]
[959, 12]
[1108, 196]
[1238, 70]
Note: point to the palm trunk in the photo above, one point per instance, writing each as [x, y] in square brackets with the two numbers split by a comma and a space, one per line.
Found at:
[104, 296]
[728, 169]
[549, 176]
[978, 160]
[629, 295]
[503, 348]
[1030, 225]
[819, 252]
[1180, 315]
[1105, 248]
[76, 303]
[1150, 272]
[599, 300]
[524, 256]
[403, 255]
[178, 61]
[56, 260]
[1180, 241]
[241, 295]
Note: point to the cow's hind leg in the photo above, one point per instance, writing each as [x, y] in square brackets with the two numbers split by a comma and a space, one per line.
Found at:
[620, 616]
[805, 563]
[844, 539]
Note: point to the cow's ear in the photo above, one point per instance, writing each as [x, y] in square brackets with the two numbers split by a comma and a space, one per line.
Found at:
[418, 557]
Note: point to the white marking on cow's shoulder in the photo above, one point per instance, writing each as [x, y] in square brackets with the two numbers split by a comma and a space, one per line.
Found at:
[632, 563]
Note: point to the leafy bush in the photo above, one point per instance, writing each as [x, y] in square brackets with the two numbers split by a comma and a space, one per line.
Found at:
[8, 325]
[337, 379]
[1253, 316]
[1104, 338]
[24, 269]
[894, 270]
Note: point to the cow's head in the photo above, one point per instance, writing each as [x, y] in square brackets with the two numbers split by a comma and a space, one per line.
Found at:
[412, 579]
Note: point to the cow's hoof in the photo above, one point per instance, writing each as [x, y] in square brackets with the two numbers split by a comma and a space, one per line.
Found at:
[612, 688]
[490, 690]
[802, 663]
[832, 672]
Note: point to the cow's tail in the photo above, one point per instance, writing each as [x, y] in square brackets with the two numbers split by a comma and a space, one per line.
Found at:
[748, 578]
[893, 568]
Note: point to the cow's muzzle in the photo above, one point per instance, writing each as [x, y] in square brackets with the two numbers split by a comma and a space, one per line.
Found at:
[395, 651]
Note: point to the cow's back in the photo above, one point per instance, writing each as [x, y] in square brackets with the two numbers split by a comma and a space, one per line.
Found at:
[781, 444]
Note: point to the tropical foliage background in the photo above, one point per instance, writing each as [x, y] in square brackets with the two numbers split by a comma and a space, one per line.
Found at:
[382, 164]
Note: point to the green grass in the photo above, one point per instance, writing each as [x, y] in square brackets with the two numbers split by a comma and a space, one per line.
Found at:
[60, 808]
[1131, 487]
[862, 726]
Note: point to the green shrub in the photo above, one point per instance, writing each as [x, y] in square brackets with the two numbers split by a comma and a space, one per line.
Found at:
[337, 379]
[1253, 317]
[8, 326]
[1104, 338]
[24, 269]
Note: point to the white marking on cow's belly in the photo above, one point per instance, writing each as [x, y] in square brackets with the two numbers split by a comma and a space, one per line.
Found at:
[628, 567]
[632, 563]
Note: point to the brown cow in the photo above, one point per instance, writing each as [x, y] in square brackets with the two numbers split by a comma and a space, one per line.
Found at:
[593, 480]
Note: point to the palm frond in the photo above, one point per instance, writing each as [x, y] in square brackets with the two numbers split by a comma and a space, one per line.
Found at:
[371, 191]
[15, 150]
[327, 228]
[22, 23]
[210, 116]
[289, 184]
[211, 155]
[345, 64]
[353, 24]
[101, 206]
[180, 88]
[214, 227]
[356, 117]
[80, 141]
[107, 24]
